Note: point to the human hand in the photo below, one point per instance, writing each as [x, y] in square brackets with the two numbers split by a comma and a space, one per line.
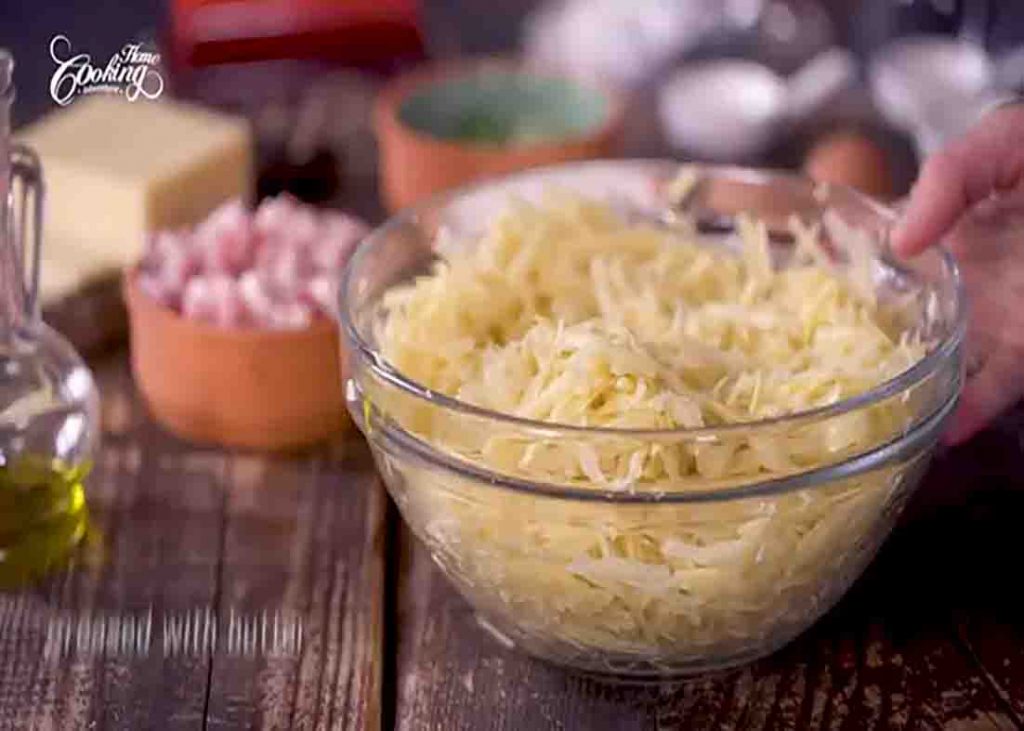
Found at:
[970, 195]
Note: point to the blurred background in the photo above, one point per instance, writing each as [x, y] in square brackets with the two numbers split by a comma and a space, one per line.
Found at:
[856, 90]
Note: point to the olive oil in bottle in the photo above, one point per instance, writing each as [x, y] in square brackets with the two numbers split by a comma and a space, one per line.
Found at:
[43, 516]
[49, 406]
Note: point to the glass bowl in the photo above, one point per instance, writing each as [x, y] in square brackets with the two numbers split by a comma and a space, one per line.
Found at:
[680, 577]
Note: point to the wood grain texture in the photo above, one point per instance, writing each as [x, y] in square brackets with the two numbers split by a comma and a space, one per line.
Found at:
[988, 602]
[929, 638]
[182, 533]
[304, 537]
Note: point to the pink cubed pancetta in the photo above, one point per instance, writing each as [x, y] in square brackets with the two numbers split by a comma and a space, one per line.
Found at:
[225, 240]
[321, 292]
[214, 298]
[276, 267]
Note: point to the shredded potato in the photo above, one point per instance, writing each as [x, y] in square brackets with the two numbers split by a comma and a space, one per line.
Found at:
[571, 313]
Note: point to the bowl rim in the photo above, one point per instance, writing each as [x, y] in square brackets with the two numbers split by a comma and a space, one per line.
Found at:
[388, 119]
[918, 372]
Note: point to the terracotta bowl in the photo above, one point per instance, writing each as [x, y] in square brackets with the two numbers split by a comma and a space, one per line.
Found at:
[441, 127]
[258, 389]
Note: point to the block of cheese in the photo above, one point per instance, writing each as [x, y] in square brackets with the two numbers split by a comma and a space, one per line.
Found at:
[66, 270]
[116, 169]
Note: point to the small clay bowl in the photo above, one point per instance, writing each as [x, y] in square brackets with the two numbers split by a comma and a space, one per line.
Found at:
[440, 127]
[252, 388]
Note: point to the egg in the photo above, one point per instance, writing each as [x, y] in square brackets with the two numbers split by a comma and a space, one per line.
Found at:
[770, 204]
[851, 158]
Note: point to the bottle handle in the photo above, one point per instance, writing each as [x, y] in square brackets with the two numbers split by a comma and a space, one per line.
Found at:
[27, 172]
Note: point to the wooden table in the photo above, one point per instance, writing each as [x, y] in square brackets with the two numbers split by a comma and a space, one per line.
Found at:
[231, 590]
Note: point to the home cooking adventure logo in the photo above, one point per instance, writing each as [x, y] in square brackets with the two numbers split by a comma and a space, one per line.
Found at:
[131, 72]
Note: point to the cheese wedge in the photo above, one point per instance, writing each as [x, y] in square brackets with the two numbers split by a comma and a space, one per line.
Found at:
[115, 170]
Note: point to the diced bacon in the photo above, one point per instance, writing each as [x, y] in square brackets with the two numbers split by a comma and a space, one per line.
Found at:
[162, 244]
[277, 267]
[288, 315]
[321, 292]
[157, 289]
[342, 227]
[330, 254]
[286, 268]
[254, 293]
[273, 214]
[214, 298]
[229, 214]
[168, 264]
[225, 240]
[285, 218]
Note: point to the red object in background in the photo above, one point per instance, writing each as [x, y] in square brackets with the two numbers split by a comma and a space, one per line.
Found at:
[371, 34]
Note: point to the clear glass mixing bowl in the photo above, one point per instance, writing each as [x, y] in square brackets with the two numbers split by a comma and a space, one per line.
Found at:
[689, 577]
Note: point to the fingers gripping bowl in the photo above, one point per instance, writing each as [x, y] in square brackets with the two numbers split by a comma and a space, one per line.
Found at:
[725, 459]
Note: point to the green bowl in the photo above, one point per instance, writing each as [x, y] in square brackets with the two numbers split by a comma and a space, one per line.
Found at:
[505, 108]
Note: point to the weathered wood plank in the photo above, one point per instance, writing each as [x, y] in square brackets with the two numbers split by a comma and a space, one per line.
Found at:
[984, 560]
[153, 554]
[258, 581]
[304, 538]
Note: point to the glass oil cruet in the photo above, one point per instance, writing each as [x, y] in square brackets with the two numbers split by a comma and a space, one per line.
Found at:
[49, 407]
